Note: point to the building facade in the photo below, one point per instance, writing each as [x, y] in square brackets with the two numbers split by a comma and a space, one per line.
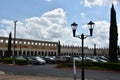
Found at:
[26, 47]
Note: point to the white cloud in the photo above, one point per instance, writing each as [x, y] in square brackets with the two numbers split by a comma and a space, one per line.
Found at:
[51, 26]
[5, 27]
[81, 2]
[48, 0]
[83, 16]
[89, 3]
[100, 34]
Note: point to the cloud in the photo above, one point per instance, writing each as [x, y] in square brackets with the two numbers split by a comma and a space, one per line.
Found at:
[5, 27]
[52, 26]
[83, 16]
[89, 3]
[48, 0]
[101, 35]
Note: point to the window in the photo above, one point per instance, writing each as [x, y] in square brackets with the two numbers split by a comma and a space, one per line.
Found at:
[36, 43]
[12, 41]
[39, 43]
[55, 45]
[6, 41]
[16, 42]
[49, 44]
[42, 44]
[20, 42]
[46, 44]
[1, 41]
[24, 42]
[32, 43]
[28, 43]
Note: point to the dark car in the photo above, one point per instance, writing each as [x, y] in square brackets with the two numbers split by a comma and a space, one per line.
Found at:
[50, 60]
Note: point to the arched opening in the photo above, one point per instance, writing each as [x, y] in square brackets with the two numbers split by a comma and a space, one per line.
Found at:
[15, 54]
[55, 54]
[31, 53]
[35, 53]
[46, 53]
[20, 53]
[39, 53]
[42, 53]
[28, 53]
[24, 53]
[1, 53]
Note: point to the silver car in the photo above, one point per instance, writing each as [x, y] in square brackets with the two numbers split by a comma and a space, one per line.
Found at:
[40, 60]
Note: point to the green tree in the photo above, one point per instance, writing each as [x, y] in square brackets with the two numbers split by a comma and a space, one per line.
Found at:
[9, 46]
[59, 49]
[113, 37]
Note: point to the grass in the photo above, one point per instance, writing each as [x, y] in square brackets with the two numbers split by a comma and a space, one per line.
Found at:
[95, 68]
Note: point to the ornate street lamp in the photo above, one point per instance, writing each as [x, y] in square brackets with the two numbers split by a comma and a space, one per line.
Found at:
[74, 27]
[91, 26]
[82, 37]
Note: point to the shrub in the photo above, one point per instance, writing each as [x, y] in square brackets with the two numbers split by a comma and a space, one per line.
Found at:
[21, 62]
[7, 60]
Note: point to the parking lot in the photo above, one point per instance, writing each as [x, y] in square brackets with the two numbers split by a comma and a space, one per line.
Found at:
[50, 70]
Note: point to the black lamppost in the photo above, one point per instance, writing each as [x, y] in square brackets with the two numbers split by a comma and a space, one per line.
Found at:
[82, 37]
[95, 54]
[14, 38]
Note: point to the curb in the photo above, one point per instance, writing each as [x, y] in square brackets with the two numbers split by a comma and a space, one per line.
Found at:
[1, 72]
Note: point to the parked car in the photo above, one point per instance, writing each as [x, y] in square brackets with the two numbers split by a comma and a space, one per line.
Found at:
[50, 59]
[67, 58]
[91, 59]
[20, 58]
[77, 58]
[36, 60]
[102, 59]
[31, 60]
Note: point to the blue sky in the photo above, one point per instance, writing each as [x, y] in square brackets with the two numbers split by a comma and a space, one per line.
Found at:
[34, 17]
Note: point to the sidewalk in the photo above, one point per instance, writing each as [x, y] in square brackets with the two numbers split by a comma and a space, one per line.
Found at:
[4, 76]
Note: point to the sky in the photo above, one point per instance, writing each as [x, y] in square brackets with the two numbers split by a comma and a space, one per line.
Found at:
[51, 20]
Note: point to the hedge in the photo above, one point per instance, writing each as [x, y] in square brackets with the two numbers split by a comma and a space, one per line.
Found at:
[21, 62]
[10, 61]
[109, 65]
[87, 64]
[7, 60]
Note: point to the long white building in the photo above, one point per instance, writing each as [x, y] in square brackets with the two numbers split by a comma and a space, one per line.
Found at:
[26, 47]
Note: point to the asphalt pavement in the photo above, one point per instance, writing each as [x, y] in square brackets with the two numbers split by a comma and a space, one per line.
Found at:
[50, 70]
